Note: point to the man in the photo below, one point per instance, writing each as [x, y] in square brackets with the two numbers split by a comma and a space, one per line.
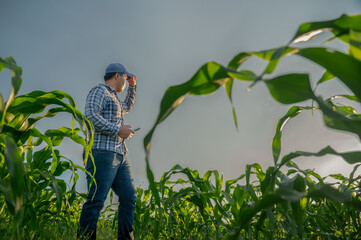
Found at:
[105, 111]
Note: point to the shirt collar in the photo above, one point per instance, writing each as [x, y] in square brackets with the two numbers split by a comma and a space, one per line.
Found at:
[109, 88]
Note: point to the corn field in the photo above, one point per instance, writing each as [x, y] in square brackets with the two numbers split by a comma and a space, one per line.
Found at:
[280, 202]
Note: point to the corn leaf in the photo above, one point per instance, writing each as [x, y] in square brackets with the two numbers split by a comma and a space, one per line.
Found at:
[344, 67]
[349, 157]
[290, 88]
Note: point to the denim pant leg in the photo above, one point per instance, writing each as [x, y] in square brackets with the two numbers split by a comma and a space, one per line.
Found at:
[107, 164]
[124, 187]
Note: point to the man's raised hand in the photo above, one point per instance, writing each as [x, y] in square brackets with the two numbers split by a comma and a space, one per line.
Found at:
[132, 81]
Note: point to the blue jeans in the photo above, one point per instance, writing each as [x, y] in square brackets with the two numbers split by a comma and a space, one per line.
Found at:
[112, 171]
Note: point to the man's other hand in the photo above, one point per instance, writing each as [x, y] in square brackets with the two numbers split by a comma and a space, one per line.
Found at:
[126, 132]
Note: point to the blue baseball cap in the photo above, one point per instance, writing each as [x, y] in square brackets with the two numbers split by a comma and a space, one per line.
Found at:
[117, 68]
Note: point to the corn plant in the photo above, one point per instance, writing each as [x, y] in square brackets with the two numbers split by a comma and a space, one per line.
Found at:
[259, 204]
[33, 197]
[298, 204]
[203, 207]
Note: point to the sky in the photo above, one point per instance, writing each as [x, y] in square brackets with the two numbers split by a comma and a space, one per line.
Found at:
[66, 45]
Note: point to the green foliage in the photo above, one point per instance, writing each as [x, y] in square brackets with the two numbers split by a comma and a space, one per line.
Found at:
[298, 204]
[32, 195]
[282, 202]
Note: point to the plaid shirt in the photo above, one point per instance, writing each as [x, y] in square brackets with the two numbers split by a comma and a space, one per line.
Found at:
[104, 109]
